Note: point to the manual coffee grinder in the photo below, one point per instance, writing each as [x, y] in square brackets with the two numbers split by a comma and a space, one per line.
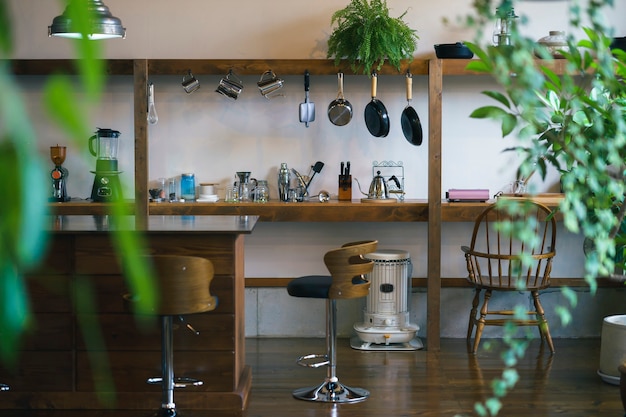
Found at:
[59, 174]
[103, 145]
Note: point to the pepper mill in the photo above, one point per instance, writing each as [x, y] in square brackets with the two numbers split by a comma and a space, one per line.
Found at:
[59, 174]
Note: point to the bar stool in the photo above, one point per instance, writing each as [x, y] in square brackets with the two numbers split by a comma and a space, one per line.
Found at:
[183, 283]
[347, 268]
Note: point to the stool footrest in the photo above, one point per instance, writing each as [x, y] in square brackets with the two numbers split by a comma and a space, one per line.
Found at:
[304, 361]
[331, 392]
[179, 382]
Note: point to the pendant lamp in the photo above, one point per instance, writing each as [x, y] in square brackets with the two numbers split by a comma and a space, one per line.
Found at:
[101, 24]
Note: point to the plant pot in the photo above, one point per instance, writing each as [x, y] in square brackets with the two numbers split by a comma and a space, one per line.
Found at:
[613, 348]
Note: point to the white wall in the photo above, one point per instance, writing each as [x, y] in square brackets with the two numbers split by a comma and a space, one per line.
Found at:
[213, 137]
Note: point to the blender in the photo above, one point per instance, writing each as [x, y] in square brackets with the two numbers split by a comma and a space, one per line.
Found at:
[103, 145]
[59, 174]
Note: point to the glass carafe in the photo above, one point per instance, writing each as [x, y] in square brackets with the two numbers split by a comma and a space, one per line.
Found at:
[106, 144]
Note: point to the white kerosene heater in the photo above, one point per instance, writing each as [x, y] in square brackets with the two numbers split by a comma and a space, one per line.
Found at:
[386, 324]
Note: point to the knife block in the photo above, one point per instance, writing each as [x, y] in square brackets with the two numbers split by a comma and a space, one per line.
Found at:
[345, 188]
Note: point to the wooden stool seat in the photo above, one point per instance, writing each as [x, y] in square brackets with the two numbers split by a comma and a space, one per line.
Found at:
[347, 269]
[183, 283]
[183, 288]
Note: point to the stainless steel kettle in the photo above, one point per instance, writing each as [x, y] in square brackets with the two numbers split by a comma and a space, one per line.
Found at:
[378, 188]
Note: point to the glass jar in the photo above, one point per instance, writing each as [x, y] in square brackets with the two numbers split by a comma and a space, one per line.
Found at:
[188, 187]
[261, 192]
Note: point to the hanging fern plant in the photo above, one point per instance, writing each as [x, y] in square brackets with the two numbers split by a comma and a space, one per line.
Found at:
[365, 35]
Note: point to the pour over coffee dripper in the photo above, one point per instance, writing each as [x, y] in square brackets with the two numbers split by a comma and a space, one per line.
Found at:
[246, 186]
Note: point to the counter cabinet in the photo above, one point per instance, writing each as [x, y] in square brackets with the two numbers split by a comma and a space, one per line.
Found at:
[56, 365]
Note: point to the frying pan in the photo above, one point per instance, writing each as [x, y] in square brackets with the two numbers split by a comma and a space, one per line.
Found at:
[340, 109]
[411, 125]
[376, 116]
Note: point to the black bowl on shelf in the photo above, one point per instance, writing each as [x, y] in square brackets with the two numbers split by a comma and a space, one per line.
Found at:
[453, 50]
[619, 43]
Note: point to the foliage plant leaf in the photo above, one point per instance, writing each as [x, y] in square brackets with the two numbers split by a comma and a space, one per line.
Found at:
[6, 39]
[366, 35]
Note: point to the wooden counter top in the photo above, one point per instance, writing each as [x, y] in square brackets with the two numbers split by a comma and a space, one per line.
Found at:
[161, 224]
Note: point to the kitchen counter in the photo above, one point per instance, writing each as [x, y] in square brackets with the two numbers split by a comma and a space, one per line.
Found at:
[76, 224]
[56, 365]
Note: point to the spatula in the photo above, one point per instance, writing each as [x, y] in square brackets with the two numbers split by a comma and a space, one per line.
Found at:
[307, 109]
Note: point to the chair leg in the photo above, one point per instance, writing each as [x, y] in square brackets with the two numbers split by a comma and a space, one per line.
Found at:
[331, 390]
[472, 317]
[480, 325]
[544, 329]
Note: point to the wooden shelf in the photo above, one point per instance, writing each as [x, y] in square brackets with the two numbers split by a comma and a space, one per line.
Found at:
[332, 211]
[86, 207]
[247, 66]
[211, 66]
[458, 66]
[66, 66]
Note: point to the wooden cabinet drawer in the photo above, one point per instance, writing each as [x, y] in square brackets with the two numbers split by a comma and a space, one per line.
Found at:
[131, 369]
[50, 331]
[125, 332]
[50, 293]
[41, 371]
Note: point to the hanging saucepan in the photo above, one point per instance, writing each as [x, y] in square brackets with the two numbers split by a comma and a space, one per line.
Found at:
[376, 117]
[340, 109]
[411, 125]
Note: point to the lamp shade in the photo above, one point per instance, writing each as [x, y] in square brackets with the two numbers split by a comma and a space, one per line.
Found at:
[101, 24]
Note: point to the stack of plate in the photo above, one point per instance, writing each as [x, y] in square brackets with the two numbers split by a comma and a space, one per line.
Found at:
[208, 198]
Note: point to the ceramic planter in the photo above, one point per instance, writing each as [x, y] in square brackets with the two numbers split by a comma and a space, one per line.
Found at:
[622, 384]
[613, 348]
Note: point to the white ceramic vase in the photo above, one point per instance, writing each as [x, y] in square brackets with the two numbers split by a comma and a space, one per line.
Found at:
[613, 348]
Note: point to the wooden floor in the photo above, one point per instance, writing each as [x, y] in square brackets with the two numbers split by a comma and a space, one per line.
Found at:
[418, 383]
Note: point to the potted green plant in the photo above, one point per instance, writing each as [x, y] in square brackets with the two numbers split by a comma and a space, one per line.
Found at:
[575, 122]
[573, 119]
[366, 35]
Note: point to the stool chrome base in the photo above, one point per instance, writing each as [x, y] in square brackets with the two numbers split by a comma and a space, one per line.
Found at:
[167, 412]
[4, 387]
[332, 392]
